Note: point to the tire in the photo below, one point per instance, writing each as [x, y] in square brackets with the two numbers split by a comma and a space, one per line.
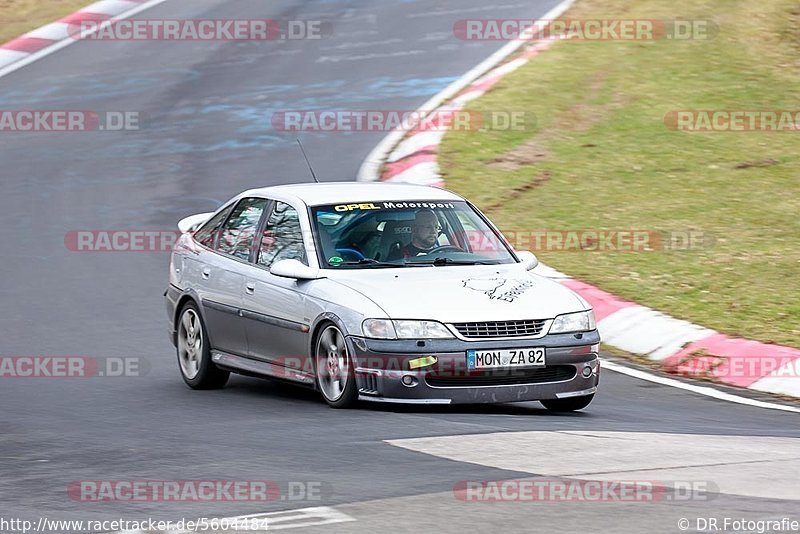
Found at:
[570, 404]
[194, 352]
[333, 368]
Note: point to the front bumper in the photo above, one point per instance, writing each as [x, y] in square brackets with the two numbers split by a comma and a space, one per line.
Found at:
[573, 369]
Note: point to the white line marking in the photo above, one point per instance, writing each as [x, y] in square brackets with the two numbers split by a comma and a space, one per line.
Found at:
[322, 515]
[701, 390]
[283, 520]
[55, 47]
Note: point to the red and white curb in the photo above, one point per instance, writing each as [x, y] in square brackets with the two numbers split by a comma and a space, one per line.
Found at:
[680, 347]
[47, 39]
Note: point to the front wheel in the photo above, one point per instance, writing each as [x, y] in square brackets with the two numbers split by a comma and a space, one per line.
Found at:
[570, 404]
[335, 375]
[194, 352]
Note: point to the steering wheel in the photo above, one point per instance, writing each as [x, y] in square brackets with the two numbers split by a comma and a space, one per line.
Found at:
[351, 254]
[442, 248]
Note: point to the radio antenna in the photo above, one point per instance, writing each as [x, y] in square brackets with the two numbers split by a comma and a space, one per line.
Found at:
[310, 168]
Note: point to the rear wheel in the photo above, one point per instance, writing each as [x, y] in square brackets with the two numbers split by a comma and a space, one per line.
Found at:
[194, 352]
[569, 404]
[335, 376]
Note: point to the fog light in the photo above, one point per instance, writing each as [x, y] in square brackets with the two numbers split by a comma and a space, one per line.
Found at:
[587, 372]
[409, 381]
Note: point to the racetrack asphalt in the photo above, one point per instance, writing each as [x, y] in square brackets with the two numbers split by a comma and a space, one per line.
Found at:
[206, 135]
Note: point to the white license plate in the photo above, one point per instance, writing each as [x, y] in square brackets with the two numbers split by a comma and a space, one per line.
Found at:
[505, 358]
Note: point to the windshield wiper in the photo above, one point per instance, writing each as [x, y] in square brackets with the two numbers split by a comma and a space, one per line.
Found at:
[371, 263]
[439, 262]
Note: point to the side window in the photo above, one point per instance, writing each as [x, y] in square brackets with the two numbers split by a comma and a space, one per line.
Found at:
[237, 234]
[206, 234]
[283, 237]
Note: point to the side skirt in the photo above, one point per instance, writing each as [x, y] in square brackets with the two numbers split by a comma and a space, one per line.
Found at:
[257, 368]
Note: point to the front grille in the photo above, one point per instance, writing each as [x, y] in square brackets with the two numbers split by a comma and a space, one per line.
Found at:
[494, 329]
[504, 377]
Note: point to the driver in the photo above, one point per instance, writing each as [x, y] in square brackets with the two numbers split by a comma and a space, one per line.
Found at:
[425, 232]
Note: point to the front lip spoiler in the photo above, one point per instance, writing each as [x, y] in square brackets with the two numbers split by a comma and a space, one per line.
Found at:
[581, 393]
[403, 401]
[368, 398]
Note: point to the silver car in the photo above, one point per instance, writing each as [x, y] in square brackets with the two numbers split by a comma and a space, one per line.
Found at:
[376, 292]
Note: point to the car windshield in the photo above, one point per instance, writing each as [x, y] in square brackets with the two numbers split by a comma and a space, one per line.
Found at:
[367, 235]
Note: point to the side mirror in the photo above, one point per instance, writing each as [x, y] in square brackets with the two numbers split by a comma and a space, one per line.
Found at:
[294, 269]
[528, 260]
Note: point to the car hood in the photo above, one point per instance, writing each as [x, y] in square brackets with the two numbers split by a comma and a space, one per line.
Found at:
[462, 293]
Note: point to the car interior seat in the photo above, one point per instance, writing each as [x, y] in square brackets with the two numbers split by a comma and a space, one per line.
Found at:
[395, 235]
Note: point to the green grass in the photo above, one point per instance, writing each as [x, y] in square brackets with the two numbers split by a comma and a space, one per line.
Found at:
[601, 157]
[20, 16]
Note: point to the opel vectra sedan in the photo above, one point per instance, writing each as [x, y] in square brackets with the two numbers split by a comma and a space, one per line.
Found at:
[375, 292]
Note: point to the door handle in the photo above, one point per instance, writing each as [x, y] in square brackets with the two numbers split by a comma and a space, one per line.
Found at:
[206, 272]
[250, 287]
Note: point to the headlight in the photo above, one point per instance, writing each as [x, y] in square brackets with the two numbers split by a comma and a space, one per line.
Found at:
[421, 330]
[379, 329]
[574, 322]
[387, 329]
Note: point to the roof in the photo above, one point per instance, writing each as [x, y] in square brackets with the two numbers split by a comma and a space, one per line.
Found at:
[345, 192]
